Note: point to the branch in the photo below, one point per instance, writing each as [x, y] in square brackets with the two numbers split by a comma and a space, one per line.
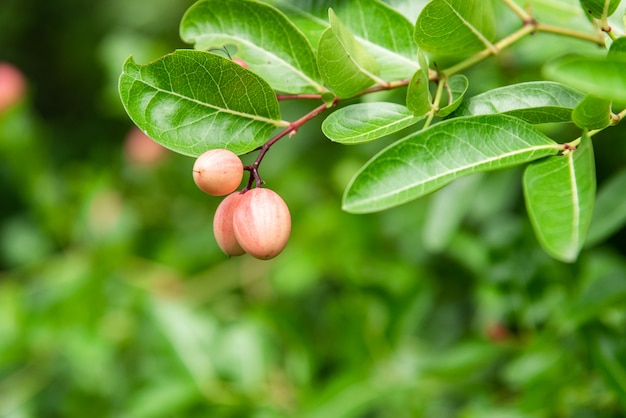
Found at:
[291, 131]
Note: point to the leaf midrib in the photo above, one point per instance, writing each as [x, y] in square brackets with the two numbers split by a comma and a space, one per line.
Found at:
[275, 122]
[455, 172]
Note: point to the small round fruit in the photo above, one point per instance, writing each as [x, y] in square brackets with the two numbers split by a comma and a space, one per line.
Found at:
[12, 85]
[223, 225]
[262, 223]
[218, 172]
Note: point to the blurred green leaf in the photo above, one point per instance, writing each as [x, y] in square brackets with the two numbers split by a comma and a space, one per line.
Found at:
[601, 77]
[600, 8]
[455, 27]
[180, 102]
[609, 213]
[191, 335]
[346, 66]
[447, 209]
[617, 51]
[365, 122]
[428, 160]
[162, 397]
[534, 102]
[266, 40]
[604, 290]
[609, 353]
[559, 193]
[592, 113]
[456, 87]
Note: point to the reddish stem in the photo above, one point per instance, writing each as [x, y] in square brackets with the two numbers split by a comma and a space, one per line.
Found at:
[293, 127]
[282, 97]
[291, 131]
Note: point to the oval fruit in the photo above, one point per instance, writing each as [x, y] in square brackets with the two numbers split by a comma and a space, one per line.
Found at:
[223, 225]
[12, 85]
[262, 223]
[218, 172]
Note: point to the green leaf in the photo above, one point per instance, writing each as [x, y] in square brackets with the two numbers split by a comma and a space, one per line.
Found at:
[455, 27]
[192, 101]
[429, 159]
[383, 31]
[617, 52]
[456, 87]
[346, 66]
[266, 40]
[592, 113]
[600, 8]
[559, 193]
[534, 102]
[605, 290]
[365, 122]
[309, 17]
[602, 77]
[418, 97]
[609, 214]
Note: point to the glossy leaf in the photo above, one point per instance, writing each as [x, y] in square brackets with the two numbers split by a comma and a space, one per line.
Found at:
[418, 97]
[592, 113]
[600, 8]
[346, 66]
[609, 214]
[383, 31]
[559, 193]
[429, 159]
[534, 102]
[455, 92]
[192, 101]
[311, 18]
[367, 121]
[455, 27]
[266, 40]
[602, 77]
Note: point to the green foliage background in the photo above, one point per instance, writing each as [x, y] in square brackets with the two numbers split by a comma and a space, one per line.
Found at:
[115, 301]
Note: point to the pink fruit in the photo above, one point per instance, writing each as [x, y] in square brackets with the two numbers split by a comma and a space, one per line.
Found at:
[240, 62]
[218, 172]
[141, 150]
[262, 223]
[12, 85]
[223, 225]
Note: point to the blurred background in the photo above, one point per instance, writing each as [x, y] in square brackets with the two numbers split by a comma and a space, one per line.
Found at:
[115, 300]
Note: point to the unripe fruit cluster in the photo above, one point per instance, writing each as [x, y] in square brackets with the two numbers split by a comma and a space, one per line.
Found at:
[255, 221]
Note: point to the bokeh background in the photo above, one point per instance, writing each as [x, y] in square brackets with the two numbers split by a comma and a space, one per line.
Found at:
[115, 300]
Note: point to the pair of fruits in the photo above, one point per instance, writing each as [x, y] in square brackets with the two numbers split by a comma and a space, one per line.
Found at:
[255, 221]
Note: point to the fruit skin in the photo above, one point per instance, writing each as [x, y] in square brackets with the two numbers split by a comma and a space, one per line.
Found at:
[218, 172]
[223, 225]
[262, 223]
[240, 62]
